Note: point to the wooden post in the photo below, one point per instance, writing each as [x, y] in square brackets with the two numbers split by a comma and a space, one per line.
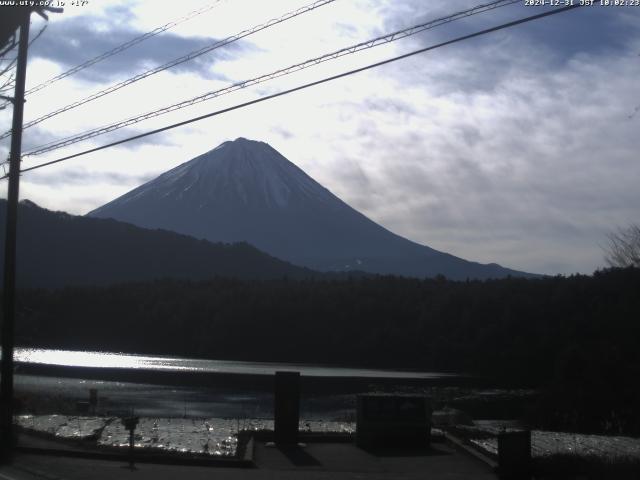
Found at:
[130, 424]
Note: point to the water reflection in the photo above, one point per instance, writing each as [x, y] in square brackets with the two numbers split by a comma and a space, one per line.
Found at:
[71, 358]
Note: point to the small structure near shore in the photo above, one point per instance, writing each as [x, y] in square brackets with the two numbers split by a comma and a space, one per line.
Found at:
[514, 454]
[286, 407]
[393, 420]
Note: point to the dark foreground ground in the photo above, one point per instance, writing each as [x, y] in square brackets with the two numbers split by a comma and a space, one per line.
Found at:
[314, 461]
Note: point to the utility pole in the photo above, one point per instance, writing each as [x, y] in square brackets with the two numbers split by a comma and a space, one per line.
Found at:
[9, 293]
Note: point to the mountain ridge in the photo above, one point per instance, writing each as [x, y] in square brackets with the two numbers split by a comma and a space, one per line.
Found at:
[244, 190]
[56, 249]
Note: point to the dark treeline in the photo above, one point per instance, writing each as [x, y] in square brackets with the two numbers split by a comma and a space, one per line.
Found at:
[576, 336]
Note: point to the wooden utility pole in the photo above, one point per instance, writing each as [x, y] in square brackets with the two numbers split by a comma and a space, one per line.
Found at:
[9, 292]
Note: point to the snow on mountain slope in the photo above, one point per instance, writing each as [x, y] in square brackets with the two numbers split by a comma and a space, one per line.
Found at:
[245, 190]
[251, 173]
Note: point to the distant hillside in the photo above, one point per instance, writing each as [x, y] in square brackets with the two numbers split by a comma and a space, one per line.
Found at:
[57, 249]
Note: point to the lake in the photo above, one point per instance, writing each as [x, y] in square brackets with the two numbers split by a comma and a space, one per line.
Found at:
[172, 386]
[68, 358]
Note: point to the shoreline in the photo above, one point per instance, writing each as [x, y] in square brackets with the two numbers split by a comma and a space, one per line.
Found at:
[265, 382]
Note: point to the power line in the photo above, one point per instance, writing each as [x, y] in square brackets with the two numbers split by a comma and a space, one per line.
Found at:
[121, 48]
[40, 32]
[177, 61]
[305, 86]
[391, 37]
[125, 46]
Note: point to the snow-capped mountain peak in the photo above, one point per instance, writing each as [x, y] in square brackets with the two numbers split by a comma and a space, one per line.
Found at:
[244, 190]
[245, 171]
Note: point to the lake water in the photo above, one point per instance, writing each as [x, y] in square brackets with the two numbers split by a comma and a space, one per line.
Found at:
[68, 358]
[210, 399]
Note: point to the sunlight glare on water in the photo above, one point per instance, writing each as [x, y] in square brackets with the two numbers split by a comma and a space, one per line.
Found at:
[70, 358]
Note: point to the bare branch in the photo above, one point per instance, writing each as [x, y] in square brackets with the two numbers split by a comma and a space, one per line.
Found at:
[10, 46]
[623, 249]
[5, 86]
[9, 66]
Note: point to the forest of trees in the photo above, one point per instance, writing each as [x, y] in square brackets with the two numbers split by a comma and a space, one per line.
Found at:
[575, 336]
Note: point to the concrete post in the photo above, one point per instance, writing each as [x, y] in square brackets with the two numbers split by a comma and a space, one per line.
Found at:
[286, 407]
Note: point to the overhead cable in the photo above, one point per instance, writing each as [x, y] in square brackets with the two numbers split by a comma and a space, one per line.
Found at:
[391, 37]
[305, 86]
[175, 62]
[123, 47]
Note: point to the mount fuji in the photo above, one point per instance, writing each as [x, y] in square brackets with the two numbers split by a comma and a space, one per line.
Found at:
[245, 190]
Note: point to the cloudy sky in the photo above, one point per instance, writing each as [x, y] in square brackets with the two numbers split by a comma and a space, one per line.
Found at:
[519, 147]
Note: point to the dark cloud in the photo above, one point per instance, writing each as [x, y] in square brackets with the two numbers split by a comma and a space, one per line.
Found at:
[36, 136]
[72, 41]
[283, 132]
[387, 105]
[598, 30]
[478, 64]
